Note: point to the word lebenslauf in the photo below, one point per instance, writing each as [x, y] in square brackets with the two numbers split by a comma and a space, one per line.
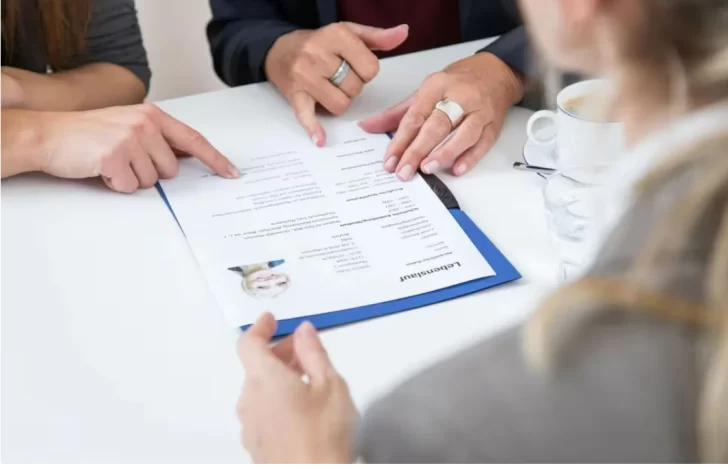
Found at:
[428, 272]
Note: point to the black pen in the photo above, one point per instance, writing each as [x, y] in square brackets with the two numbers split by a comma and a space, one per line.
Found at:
[525, 167]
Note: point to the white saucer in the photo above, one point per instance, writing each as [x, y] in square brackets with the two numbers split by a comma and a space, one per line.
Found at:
[536, 155]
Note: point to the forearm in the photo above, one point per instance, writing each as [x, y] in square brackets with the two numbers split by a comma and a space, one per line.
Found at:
[91, 86]
[22, 142]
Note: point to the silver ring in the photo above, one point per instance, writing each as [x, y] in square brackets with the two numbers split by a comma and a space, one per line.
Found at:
[452, 110]
[340, 75]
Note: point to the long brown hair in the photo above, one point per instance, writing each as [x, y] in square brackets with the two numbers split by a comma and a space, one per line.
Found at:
[686, 45]
[63, 25]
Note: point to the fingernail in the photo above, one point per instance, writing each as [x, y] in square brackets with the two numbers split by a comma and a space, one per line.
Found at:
[315, 139]
[391, 163]
[405, 173]
[233, 171]
[460, 169]
[307, 329]
[431, 167]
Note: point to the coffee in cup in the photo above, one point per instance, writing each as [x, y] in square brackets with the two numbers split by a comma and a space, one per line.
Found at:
[592, 106]
[585, 130]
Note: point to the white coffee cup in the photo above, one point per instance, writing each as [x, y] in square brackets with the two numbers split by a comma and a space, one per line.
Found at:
[577, 140]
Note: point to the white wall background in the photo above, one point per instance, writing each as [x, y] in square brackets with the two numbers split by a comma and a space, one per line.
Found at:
[178, 52]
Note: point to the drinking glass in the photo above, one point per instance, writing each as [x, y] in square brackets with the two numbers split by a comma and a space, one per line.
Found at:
[574, 198]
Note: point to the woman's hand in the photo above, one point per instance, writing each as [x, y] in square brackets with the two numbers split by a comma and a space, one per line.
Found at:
[300, 64]
[130, 147]
[284, 419]
[483, 85]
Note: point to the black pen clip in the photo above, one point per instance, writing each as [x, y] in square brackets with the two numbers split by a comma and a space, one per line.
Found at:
[442, 191]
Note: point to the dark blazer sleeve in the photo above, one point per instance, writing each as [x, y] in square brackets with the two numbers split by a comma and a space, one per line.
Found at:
[240, 34]
[513, 47]
[114, 36]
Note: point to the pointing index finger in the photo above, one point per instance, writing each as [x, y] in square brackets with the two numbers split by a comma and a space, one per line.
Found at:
[184, 138]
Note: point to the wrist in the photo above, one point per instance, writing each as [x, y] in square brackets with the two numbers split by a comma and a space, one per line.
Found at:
[513, 84]
[24, 143]
[47, 141]
[278, 52]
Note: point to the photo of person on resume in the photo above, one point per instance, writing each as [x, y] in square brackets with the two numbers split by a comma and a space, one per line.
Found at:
[261, 281]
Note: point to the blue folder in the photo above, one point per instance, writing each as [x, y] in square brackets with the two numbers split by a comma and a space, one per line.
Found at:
[504, 273]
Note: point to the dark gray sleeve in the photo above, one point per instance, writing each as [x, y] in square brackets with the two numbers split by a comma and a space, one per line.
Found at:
[114, 36]
[514, 49]
[626, 393]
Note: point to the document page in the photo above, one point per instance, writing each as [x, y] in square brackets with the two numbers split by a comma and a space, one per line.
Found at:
[308, 230]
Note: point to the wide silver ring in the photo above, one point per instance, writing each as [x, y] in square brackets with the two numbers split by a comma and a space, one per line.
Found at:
[340, 75]
[452, 110]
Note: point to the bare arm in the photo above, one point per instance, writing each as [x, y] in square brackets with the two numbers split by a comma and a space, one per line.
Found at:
[21, 141]
[90, 86]
[111, 70]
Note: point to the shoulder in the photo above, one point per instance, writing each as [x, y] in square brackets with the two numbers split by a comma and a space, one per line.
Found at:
[103, 8]
[625, 393]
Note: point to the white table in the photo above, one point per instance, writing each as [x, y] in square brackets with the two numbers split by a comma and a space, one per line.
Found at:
[113, 349]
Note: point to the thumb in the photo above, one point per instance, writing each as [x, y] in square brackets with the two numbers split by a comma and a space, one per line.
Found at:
[253, 345]
[305, 108]
[311, 353]
[378, 38]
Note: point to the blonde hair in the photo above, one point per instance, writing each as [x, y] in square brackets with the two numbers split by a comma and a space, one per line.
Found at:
[679, 56]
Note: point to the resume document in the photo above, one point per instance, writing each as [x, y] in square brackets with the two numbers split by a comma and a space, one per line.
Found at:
[308, 230]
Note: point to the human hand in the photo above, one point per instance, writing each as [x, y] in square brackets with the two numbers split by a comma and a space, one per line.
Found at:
[131, 147]
[483, 85]
[12, 91]
[300, 64]
[284, 419]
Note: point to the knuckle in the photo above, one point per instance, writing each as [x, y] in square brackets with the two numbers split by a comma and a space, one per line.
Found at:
[145, 125]
[470, 131]
[339, 106]
[370, 70]
[310, 47]
[336, 29]
[446, 155]
[107, 160]
[354, 88]
[193, 136]
[127, 146]
[299, 69]
[414, 155]
[471, 94]
[129, 187]
[149, 110]
[441, 124]
[171, 171]
[148, 182]
[435, 80]
[413, 120]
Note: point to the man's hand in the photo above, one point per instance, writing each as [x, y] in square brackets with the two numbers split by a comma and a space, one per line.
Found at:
[283, 418]
[483, 85]
[300, 64]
